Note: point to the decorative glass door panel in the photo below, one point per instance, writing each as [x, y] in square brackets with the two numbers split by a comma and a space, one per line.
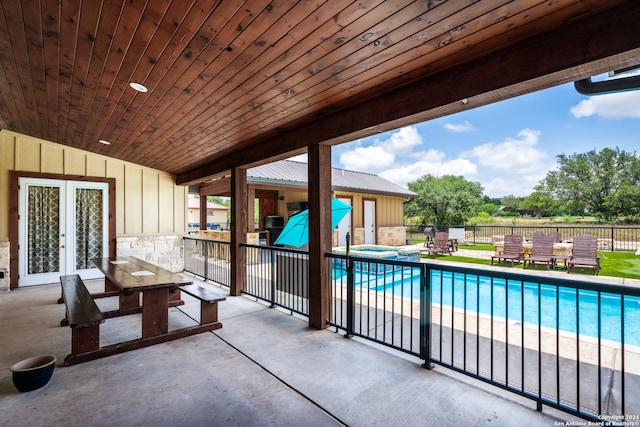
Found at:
[63, 224]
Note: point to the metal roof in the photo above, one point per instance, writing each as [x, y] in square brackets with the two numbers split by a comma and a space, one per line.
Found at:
[288, 172]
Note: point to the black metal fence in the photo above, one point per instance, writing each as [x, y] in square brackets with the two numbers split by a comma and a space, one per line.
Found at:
[209, 259]
[569, 344]
[277, 275]
[612, 238]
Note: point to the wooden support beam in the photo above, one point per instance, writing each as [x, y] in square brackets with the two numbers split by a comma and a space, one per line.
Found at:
[203, 212]
[238, 228]
[319, 233]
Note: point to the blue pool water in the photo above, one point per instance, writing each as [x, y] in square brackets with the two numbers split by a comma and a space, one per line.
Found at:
[502, 298]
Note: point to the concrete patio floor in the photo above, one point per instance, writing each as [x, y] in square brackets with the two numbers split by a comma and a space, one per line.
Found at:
[264, 367]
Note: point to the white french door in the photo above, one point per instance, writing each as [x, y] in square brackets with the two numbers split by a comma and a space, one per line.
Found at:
[369, 222]
[62, 225]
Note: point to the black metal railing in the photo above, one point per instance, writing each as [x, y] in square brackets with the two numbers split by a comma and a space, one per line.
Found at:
[209, 259]
[613, 238]
[365, 302]
[567, 344]
[277, 275]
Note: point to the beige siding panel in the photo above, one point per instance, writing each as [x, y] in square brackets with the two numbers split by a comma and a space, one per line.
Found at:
[150, 205]
[133, 200]
[7, 156]
[180, 209]
[96, 166]
[75, 163]
[27, 154]
[115, 169]
[166, 211]
[139, 190]
[52, 159]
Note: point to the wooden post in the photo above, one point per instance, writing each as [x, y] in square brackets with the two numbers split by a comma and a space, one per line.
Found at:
[238, 228]
[203, 212]
[319, 233]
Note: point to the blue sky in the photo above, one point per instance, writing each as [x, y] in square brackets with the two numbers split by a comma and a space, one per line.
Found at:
[508, 147]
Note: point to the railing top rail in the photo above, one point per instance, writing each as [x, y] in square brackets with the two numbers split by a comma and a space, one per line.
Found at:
[201, 239]
[274, 248]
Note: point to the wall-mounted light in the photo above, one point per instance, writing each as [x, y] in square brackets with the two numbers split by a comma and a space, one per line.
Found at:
[139, 87]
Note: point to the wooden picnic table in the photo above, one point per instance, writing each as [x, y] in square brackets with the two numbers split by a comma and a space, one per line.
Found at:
[160, 289]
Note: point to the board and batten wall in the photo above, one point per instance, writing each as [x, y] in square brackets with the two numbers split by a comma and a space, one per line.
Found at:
[148, 202]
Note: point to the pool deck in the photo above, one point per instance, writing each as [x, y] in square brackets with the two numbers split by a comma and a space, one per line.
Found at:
[264, 367]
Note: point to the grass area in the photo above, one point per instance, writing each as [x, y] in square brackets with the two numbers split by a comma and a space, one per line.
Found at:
[613, 264]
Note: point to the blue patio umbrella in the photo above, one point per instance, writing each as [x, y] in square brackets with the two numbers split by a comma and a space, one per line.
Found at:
[296, 232]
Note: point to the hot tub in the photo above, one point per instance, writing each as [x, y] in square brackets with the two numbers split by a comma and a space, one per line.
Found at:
[395, 253]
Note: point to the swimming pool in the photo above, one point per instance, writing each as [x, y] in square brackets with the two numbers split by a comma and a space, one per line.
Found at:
[506, 299]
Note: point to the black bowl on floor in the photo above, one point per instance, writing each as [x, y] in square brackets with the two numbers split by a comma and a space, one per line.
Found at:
[33, 373]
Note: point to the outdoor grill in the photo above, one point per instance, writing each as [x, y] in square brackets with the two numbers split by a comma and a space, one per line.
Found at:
[430, 234]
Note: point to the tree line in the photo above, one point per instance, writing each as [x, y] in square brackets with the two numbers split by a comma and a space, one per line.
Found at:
[605, 185]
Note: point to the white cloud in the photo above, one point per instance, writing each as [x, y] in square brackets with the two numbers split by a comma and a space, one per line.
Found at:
[402, 142]
[364, 159]
[431, 162]
[513, 155]
[459, 127]
[382, 153]
[611, 106]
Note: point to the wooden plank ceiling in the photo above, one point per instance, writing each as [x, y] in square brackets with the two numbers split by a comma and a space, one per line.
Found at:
[235, 82]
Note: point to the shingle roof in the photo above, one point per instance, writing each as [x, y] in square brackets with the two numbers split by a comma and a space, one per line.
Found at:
[288, 172]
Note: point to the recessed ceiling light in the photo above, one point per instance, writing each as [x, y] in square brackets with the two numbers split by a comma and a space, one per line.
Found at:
[104, 141]
[138, 87]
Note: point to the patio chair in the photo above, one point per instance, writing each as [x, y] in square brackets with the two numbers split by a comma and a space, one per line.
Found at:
[512, 250]
[585, 253]
[440, 245]
[541, 250]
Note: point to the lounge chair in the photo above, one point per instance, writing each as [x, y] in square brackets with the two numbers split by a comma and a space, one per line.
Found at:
[585, 253]
[440, 245]
[541, 251]
[512, 250]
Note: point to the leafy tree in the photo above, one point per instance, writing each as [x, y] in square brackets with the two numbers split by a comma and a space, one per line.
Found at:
[590, 179]
[626, 201]
[449, 199]
[494, 200]
[488, 208]
[511, 203]
[537, 202]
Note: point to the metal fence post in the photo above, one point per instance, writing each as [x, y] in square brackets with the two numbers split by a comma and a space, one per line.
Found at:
[613, 248]
[425, 317]
[273, 279]
[351, 303]
[206, 260]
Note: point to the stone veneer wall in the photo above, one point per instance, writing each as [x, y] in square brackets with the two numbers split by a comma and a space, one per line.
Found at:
[166, 251]
[4, 266]
[392, 236]
[387, 236]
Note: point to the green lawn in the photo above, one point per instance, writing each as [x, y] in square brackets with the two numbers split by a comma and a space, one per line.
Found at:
[614, 264]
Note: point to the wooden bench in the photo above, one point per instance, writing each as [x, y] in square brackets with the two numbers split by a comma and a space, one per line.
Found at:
[208, 302]
[82, 315]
